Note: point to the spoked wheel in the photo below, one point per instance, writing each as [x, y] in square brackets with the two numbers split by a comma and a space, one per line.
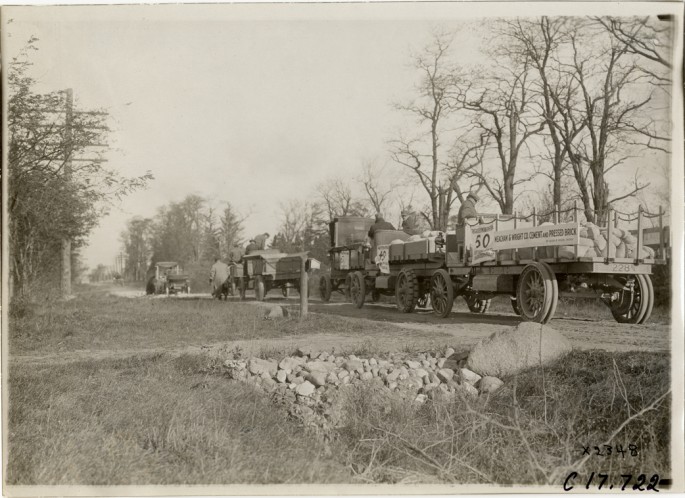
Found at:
[535, 294]
[406, 291]
[357, 289]
[635, 303]
[375, 296]
[325, 288]
[259, 289]
[475, 304]
[515, 305]
[442, 293]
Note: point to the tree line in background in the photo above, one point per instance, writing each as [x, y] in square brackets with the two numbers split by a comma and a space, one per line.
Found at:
[59, 185]
[192, 231]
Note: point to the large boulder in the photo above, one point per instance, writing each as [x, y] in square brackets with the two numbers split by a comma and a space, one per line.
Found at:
[513, 350]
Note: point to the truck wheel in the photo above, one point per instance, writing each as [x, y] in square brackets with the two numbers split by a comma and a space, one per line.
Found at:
[285, 291]
[406, 291]
[633, 304]
[535, 293]
[650, 302]
[442, 293]
[259, 289]
[357, 289]
[555, 293]
[325, 288]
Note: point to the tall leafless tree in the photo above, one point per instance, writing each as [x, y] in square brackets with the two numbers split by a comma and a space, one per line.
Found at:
[440, 84]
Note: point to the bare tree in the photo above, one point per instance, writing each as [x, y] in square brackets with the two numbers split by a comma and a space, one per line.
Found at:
[647, 37]
[440, 85]
[339, 199]
[375, 183]
[610, 107]
[502, 108]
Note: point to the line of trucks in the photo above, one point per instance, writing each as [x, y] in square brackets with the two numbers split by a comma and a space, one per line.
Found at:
[533, 263]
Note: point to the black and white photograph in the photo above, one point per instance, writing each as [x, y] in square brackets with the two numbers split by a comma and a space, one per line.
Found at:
[342, 248]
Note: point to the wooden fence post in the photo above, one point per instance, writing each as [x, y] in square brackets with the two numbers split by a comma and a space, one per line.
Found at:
[304, 287]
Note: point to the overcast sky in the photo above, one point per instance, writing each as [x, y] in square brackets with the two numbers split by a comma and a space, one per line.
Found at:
[250, 104]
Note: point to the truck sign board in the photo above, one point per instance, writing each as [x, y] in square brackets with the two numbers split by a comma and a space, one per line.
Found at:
[483, 240]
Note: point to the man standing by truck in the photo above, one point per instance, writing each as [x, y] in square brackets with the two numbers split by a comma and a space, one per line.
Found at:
[218, 275]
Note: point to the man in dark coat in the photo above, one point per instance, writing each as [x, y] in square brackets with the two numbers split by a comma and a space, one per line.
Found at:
[251, 247]
[235, 255]
[380, 224]
[218, 275]
[468, 208]
[260, 240]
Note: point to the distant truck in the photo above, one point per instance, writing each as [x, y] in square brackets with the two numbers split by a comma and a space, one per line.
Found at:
[168, 279]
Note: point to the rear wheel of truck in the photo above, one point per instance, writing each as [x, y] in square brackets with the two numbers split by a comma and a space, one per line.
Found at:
[406, 291]
[441, 293]
[535, 293]
[633, 305]
[325, 288]
[357, 289]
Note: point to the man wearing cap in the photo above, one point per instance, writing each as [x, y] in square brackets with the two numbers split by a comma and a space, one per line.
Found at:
[468, 208]
[380, 224]
[251, 247]
[260, 240]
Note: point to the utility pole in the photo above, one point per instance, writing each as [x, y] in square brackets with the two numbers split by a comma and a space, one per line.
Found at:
[66, 241]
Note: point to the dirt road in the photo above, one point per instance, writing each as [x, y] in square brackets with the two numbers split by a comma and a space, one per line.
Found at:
[468, 328]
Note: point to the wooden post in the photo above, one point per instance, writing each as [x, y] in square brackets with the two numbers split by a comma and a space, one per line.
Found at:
[496, 228]
[575, 220]
[66, 241]
[661, 233]
[556, 221]
[639, 234]
[304, 286]
[609, 230]
[535, 223]
[515, 255]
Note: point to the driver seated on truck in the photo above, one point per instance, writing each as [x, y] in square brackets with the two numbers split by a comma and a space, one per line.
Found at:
[260, 240]
[218, 275]
[380, 224]
[251, 247]
[468, 209]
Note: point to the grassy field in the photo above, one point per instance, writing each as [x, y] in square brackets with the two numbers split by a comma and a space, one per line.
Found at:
[169, 418]
[99, 321]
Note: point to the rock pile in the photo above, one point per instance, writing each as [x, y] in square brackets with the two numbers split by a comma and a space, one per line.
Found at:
[309, 382]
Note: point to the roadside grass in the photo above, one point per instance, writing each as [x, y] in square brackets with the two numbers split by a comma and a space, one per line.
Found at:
[531, 431]
[98, 321]
[153, 420]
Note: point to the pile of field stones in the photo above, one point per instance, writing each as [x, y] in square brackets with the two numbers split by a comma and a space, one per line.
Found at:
[309, 381]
